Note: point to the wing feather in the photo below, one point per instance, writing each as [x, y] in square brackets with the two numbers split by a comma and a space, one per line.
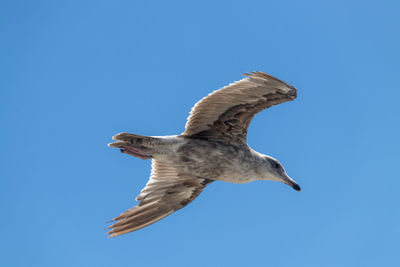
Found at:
[226, 113]
[167, 190]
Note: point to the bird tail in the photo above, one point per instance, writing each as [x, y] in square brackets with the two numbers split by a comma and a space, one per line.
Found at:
[133, 139]
[134, 144]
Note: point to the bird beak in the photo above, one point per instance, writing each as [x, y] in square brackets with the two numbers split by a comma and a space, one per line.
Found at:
[290, 182]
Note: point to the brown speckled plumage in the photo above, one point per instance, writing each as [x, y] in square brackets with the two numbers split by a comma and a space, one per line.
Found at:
[213, 147]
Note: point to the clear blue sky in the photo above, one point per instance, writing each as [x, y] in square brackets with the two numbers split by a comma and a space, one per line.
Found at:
[74, 73]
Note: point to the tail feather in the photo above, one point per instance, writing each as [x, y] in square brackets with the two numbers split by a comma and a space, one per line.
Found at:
[128, 137]
[133, 144]
[117, 144]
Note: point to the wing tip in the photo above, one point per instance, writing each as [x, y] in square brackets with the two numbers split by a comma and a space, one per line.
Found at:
[259, 74]
[263, 75]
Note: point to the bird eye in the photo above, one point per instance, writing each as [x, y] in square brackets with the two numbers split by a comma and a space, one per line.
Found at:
[275, 164]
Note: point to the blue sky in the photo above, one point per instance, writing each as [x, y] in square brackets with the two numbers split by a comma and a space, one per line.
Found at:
[74, 73]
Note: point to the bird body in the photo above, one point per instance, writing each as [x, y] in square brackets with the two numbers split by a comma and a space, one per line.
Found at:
[213, 147]
[211, 159]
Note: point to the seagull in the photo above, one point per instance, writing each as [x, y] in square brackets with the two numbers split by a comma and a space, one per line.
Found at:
[213, 147]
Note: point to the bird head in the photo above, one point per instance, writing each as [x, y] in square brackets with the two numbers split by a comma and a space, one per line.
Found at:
[275, 172]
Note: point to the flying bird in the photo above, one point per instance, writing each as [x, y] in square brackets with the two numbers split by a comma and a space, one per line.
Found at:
[213, 147]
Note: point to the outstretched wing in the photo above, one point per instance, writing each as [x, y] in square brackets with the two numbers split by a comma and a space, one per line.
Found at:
[225, 114]
[168, 190]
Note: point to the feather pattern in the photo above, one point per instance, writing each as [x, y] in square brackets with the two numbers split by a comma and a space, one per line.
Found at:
[225, 114]
[168, 190]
